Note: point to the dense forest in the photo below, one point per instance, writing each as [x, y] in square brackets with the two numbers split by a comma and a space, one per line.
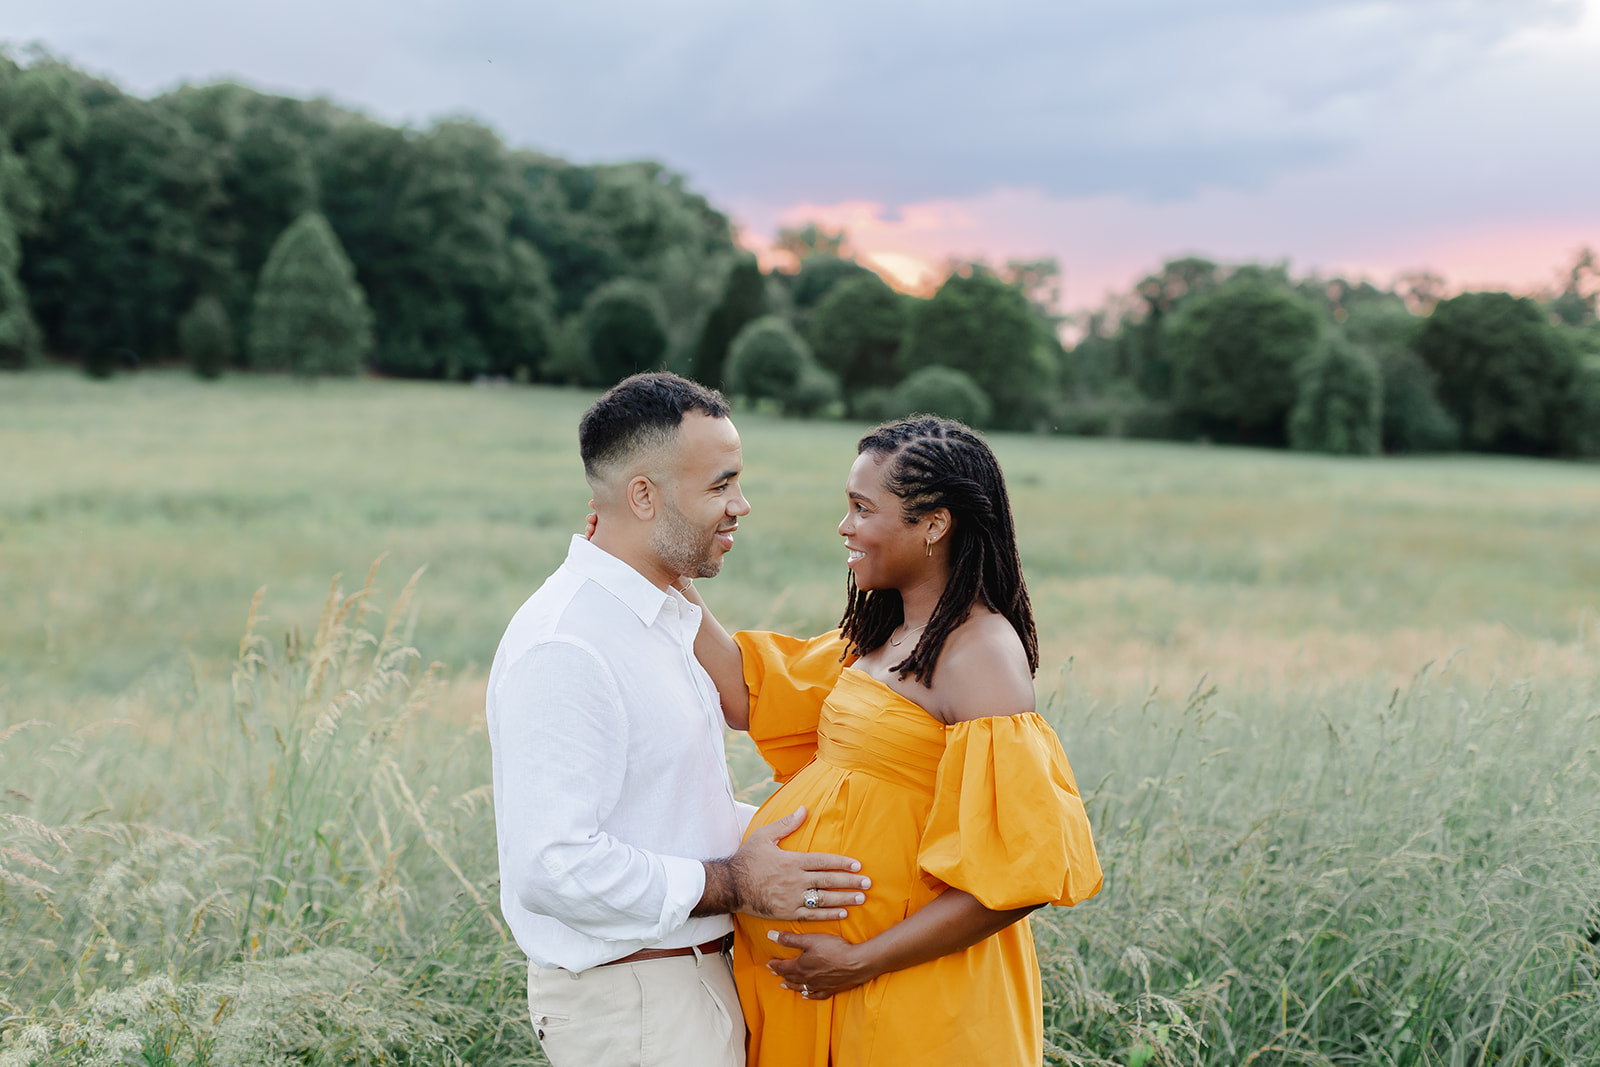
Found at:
[233, 230]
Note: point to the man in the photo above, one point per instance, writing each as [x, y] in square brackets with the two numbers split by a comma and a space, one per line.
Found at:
[619, 836]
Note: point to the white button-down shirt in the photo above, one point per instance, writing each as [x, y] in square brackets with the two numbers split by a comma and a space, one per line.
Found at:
[610, 779]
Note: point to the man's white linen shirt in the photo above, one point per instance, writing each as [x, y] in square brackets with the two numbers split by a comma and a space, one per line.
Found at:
[610, 778]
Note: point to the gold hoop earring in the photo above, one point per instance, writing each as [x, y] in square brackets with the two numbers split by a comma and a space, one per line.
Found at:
[930, 549]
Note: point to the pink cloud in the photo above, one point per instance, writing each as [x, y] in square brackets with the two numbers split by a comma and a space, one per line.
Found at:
[1106, 243]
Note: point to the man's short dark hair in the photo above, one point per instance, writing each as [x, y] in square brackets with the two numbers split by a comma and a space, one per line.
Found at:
[639, 412]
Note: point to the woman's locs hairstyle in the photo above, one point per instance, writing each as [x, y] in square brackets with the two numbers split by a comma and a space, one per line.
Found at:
[938, 463]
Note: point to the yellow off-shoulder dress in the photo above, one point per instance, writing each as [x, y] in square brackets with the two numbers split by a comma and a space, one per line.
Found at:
[988, 806]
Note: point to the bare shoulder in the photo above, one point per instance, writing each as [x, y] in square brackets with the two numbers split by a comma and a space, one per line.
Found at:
[983, 671]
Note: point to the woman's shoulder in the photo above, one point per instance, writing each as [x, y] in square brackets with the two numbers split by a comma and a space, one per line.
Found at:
[983, 671]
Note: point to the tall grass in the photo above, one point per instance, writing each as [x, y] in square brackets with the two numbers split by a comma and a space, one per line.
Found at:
[1343, 876]
[297, 867]
[280, 849]
[294, 867]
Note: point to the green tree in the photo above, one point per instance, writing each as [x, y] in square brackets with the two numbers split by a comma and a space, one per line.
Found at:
[1413, 418]
[205, 337]
[768, 361]
[568, 363]
[19, 197]
[1504, 370]
[269, 183]
[19, 334]
[816, 393]
[1339, 405]
[803, 242]
[426, 220]
[1381, 323]
[1234, 352]
[942, 391]
[650, 211]
[856, 332]
[264, 161]
[1579, 300]
[519, 328]
[818, 275]
[1580, 427]
[450, 258]
[744, 299]
[110, 275]
[581, 250]
[310, 314]
[43, 120]
[1091, 366]
[979, 325]
[593, 224]
[624, 330]
[1141, 343]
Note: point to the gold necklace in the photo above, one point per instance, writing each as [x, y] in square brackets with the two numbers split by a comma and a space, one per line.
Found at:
[905, 635]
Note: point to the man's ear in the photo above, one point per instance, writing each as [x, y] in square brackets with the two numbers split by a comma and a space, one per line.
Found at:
[642, 496]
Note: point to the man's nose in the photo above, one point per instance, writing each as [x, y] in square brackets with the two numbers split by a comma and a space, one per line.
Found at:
[738, 505]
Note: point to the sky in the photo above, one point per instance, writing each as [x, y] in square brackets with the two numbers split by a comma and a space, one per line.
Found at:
[1363, 138]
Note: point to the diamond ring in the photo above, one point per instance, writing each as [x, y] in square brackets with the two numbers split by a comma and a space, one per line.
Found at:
[811, 897]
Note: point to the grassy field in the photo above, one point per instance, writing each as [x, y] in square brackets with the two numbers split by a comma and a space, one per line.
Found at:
[1337, 722]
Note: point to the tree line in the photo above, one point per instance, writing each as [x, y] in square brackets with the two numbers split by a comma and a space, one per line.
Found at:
[1253, 355]
[214, 223]
[238, 230]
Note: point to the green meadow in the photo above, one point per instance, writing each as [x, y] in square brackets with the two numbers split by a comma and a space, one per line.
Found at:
[1336, 721]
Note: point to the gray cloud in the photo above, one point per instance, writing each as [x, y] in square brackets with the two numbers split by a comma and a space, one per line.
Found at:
[893, 101]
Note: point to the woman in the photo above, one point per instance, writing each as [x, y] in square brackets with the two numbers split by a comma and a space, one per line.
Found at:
[910, 735]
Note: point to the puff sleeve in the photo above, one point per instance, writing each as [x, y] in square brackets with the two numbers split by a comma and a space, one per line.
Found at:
[1007, 824]
[789, 678]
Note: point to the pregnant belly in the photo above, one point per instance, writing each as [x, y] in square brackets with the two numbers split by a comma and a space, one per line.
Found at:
[852, 814]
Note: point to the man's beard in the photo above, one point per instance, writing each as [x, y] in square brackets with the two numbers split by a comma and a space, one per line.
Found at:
[684, 548]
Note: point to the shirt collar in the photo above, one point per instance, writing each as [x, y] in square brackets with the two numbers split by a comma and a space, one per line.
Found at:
[642, 596]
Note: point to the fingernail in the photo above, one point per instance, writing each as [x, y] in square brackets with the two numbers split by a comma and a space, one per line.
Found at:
[855, 866]
[772, 935]
[861, 898]
[844, 915]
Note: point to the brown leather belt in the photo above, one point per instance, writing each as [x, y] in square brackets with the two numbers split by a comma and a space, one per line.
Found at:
[710, 948]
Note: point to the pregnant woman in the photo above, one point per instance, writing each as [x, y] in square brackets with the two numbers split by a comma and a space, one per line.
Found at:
[911, 737]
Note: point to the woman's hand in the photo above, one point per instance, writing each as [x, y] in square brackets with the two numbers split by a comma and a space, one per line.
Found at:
[952, 921]
[826, 964]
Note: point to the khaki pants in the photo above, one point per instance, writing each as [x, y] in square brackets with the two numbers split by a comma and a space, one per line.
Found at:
[681, 1011]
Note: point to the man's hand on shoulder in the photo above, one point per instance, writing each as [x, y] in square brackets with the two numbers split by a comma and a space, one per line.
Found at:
[770, 882]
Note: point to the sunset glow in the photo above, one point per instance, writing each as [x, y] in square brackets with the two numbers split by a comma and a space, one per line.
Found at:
[1104, 245]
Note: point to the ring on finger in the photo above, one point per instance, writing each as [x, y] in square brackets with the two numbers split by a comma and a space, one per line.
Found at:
[812, 896]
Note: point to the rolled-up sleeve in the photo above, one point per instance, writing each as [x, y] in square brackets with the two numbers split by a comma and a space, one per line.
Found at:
[560, 740]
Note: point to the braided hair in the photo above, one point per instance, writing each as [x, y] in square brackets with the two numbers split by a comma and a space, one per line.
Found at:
[938, 463]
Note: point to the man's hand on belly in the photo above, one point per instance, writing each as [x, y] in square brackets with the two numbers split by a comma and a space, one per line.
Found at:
[769, 882]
